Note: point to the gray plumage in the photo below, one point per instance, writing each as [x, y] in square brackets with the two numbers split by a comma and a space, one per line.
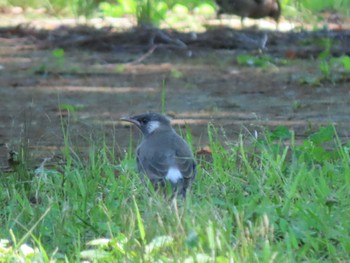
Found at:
[250, 8]
[163, 156]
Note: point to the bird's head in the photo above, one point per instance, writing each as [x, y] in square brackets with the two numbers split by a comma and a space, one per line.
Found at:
[149, 122]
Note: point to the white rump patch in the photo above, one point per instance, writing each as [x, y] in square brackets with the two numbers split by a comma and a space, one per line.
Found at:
[152, 126]
[173, 175]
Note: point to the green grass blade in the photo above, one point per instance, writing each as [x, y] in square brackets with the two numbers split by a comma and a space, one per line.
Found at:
[139, 222]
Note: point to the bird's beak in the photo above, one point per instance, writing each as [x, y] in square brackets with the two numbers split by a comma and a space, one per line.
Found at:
[131, 120]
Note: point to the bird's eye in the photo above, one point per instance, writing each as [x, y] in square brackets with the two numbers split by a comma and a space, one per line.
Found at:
[144, 120]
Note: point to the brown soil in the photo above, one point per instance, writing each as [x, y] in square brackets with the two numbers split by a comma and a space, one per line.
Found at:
[104, 75]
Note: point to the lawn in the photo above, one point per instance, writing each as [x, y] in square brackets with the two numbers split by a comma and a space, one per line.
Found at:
[262, 198]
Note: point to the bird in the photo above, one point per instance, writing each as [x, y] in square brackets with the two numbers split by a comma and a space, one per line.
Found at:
[163, 156]
[250, 8]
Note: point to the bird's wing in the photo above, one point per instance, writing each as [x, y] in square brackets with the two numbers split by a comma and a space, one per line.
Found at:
[184, 160]
[154, 164]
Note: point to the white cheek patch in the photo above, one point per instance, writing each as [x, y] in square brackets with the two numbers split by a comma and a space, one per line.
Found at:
[152, 126]
[173, 175]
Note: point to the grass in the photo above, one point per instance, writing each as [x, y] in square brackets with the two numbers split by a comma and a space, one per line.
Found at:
[256, 200]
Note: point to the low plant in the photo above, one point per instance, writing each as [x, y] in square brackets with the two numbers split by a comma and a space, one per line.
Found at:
[332, 68]
[260, 198]
[263, 61]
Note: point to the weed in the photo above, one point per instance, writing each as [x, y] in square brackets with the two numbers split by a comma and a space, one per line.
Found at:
[176, 74]
[330, 69]
[56, 63]
[120, 68]
[264, 61]
[333, 68]
[296, 105]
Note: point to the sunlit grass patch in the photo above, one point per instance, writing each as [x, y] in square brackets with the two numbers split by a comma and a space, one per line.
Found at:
[257, 199]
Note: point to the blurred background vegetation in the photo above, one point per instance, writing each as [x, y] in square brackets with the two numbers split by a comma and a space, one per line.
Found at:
[154, 11]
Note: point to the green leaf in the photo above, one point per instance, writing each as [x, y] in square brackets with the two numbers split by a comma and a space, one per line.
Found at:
[176, 74]
[162, 8]
[68, 107]
[119, 243]
[58, 53]
[325, 68]
[280, 133]
[246, 60]
[345, 60]
[180, 9]
[205, 9]
[325, 134]
[120, 68]
[139, 222]
[320, 154]
[129, 6]
[109, 10]
[259, 61]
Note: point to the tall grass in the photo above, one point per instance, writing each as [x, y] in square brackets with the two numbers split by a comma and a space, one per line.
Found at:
[256, 200]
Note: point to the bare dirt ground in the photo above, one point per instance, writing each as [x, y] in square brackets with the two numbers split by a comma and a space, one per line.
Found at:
[104, 75]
